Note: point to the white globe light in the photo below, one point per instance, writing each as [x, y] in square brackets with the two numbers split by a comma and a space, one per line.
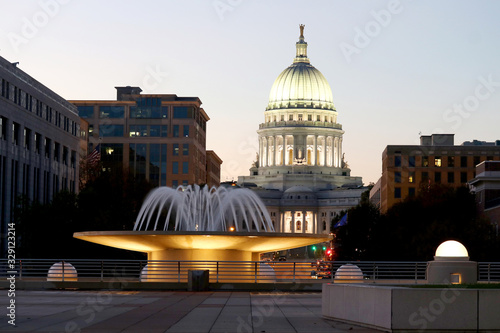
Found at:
[452, 249]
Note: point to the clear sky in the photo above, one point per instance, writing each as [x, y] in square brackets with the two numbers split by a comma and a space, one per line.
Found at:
[396, 68]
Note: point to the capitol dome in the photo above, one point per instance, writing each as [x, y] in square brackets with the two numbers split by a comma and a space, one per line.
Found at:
[301, 85]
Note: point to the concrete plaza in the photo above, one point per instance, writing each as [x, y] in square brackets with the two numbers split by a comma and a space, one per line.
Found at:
[168, 311]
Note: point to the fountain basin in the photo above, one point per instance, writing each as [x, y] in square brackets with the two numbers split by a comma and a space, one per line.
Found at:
[206, 245]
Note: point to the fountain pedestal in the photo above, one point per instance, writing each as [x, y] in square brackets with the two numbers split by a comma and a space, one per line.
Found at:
[206, 248]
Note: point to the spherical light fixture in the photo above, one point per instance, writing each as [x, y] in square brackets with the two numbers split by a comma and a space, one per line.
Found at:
[62, 271]
[451, 249]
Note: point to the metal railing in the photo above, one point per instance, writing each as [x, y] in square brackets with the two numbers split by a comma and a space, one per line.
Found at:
[225, 271]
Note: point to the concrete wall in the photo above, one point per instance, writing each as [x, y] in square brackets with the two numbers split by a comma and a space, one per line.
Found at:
[412, 309]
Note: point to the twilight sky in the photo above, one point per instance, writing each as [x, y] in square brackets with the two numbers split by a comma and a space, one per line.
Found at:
[396, 68]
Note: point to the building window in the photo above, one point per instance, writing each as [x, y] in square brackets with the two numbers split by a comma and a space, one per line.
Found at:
[175, 151]
[86, 111]
[3, 125]
[318, 118]
[489, 158]
[65, 155]
[185, 183]
[397, 192]
[290, 117]
[477, 160]
[411, 177]
[425, 161]
[175, 183]
[463, 177]
[411, 161]
[397, 177]
[437, 161]
[15, 133]
[185, 131]
[425, 176]
[27, 138]
[47, 147]
[176, 131]
[110, 130]
[138, 130]
[38, 143]
[437, 177]
[300, 116]
[175, 168]
[106, 111]
[149, 107]
[411, 191]
[309, 117]
[185, 167]
[397, 161]
[282, 117]
[185, 149]
[181, 112]
[463, 161]
[451, 161]
[451, 177]
[57, 148]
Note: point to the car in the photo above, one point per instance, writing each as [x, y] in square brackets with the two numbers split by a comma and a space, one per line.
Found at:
[282, 258]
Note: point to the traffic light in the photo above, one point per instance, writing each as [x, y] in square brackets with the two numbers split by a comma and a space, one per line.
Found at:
[314, 248]
[324, 248]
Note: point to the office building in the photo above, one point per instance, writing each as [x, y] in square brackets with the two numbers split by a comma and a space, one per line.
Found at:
[437, 160]
[39, 142]
[156, 137]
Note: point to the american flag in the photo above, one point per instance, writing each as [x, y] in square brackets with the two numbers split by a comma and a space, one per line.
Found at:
[95, 156]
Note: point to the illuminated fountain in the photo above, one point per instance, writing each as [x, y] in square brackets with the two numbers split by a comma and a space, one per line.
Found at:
[203, 224]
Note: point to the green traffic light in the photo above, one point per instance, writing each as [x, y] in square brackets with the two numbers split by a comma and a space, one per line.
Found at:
[314, 248]
[324, 248]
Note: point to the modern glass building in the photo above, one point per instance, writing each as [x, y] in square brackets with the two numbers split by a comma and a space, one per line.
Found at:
[157, 137]
[39, 142]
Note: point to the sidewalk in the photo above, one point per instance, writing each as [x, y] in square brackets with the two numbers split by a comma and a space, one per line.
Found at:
[158, 311]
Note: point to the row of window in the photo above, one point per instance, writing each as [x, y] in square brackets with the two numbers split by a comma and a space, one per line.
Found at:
[30, 103]
[438, 161]
[23, 136]
[113, 130]
[139, 111]
[300, 117]
[424, 177]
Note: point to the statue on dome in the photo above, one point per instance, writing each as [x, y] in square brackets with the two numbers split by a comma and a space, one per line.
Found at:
[301, 30]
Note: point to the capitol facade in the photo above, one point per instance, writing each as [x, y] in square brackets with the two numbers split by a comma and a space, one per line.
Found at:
[300, 173]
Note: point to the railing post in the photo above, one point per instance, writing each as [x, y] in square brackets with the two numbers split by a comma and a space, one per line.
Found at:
[63, 270]
[294, 271]
[416, 272]
[20, 269]
[489, 270]
[255, 272]
[102, 271]
[217, 274]
[179, 271]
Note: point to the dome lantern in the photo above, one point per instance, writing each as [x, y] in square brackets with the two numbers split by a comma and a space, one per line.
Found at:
[301, 55]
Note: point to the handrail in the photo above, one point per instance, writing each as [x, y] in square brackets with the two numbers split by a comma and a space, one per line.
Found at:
[102, 270]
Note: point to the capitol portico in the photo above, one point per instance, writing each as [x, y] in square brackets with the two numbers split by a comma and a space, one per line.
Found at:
[301, 174]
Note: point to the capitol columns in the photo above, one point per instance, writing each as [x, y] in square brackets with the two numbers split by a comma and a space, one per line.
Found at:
[315, 151]
[324, 151]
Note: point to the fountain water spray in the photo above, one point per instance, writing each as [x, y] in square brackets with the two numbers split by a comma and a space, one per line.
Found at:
[196, 208]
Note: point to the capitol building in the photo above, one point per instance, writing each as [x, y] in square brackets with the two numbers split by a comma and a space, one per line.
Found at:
[301, 174]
